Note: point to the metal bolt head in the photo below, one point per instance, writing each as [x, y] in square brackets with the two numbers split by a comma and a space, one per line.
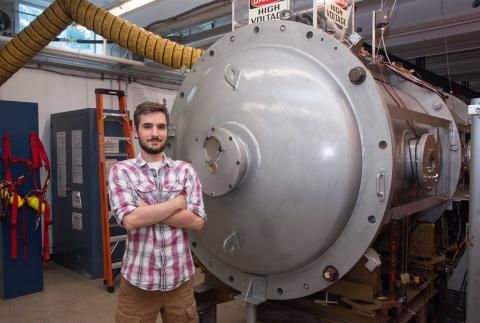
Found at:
[330, 273]
[357, 75]
[437, 106]
[212, 168]
[477, 110]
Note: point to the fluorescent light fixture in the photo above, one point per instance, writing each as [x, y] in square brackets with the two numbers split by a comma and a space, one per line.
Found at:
[129, 6]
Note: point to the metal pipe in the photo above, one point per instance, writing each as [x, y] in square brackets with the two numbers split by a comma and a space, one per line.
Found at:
[374, 55]
[105, 46]
[201, 14]
[233, 15]
[79, 54]
[251, 313]
[353, 16]
[473, 286]
[205, 42]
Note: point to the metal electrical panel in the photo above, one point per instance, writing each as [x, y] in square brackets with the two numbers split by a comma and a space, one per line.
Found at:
[77, 233]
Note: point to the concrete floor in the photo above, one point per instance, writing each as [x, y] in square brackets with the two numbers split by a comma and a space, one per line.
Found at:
[70, 297]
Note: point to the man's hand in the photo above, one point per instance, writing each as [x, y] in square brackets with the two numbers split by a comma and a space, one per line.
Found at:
[182, 202]
[185, 219]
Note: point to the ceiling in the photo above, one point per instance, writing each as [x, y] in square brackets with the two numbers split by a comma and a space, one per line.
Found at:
[157, 10]
[442, 36]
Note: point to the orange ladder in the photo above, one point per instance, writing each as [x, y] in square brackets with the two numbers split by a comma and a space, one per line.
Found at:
[110, 243]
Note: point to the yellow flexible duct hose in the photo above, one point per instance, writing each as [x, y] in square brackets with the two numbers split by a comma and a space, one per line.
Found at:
[32, 39]
[61, 13]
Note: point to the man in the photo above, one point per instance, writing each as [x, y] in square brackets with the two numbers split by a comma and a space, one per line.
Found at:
[156, 199]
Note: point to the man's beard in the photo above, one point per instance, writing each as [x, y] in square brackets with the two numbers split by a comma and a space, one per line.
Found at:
[151, 150]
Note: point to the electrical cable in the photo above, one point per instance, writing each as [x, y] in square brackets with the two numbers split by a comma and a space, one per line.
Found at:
[393, 8]
[392, 66]
[382, 39]
[416, 164]
[458, 234]
[185, 13]
[398, 99]
[119, 78]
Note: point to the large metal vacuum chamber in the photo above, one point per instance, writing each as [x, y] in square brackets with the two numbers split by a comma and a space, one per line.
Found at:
[305, 150]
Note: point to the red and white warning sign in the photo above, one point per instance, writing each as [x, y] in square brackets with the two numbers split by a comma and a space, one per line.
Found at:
[336, 12]
[266, 10]
[342, 3]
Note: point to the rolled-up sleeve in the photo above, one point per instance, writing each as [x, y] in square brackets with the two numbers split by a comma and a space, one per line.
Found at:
[122, 199]
[193, 194]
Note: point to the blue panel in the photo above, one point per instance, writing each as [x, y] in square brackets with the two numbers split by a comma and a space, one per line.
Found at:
[21, 276]
[80, 250]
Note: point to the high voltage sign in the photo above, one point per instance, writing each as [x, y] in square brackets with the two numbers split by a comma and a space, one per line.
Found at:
[266, 10]
[335, 11]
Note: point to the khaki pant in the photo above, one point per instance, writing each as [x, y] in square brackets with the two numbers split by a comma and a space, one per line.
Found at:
[136, 305]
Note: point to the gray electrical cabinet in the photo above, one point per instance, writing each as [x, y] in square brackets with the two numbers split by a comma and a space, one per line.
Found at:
[77, 230]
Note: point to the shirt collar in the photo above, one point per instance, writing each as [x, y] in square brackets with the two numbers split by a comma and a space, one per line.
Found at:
[141, 162]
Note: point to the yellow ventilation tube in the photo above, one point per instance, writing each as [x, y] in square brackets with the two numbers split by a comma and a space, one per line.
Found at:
[62, 13]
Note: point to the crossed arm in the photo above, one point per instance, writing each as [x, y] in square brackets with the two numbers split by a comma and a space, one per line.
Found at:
[171, 212]
[133, 213]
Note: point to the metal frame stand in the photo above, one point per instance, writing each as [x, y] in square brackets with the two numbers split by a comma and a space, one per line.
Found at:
[251, 313]
[473, 287]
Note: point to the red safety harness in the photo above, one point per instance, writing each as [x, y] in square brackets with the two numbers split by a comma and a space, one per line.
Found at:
[40, 159]
[11, 188]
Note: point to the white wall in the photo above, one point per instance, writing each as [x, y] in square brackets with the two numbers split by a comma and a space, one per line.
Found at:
[59, 93]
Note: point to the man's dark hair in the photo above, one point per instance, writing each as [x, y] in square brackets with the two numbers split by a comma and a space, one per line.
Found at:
[149, 107]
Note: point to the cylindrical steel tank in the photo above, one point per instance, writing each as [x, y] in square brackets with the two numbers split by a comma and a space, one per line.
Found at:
[304, 150]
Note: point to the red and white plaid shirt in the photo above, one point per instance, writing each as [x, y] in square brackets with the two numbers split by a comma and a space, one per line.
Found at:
[157, 257]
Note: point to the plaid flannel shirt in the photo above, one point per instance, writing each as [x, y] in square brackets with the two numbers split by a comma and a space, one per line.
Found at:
[157, 257]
